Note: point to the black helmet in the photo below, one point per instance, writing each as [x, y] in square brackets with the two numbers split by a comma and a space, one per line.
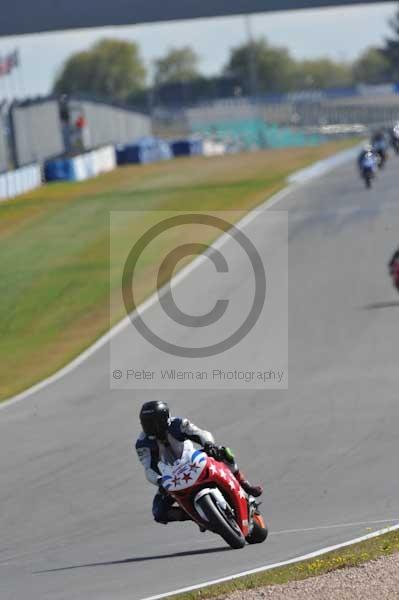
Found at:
[154, 418]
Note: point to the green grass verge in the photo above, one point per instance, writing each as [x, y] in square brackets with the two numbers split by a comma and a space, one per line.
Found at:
[54, 247]
[350, 556]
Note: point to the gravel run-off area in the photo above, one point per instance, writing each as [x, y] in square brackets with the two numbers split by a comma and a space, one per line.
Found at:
[374, 580]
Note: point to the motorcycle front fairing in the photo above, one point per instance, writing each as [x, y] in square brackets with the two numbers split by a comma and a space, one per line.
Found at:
[194, 475]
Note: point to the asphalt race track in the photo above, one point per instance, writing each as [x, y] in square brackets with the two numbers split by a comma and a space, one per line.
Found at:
[75, 518]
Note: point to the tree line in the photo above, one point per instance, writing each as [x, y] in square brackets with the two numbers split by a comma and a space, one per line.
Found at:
[115, 69]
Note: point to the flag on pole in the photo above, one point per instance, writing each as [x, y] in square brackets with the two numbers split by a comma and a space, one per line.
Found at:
[9, 62]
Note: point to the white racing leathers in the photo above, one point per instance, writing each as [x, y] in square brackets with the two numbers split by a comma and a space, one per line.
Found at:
[150, 450]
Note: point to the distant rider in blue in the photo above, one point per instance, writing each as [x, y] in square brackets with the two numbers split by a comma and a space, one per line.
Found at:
[162, 439]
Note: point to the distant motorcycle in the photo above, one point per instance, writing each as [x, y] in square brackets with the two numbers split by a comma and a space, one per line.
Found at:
[368, 167]
[209, 493]
[395, 144]
[394, 272]
[380, 149]
[395, 138]
[382, 157]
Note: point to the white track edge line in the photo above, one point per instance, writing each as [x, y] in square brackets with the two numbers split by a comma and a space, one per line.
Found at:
[179, 277]
[367, 524]
[102, 340]
[291, 561]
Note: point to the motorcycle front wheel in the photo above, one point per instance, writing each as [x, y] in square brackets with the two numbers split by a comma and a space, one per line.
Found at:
[222, 523]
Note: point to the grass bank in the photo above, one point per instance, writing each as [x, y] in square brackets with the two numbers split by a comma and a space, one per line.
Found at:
[350, 556]
[54, 247]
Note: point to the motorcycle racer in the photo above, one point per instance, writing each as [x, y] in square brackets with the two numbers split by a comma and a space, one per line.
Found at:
[162, 438]
[394, 133]
[394, 259]
[367, 162]
[366, 155]
[380, 147]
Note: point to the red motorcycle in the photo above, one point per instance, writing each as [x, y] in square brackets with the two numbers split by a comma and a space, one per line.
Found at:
[209, 493]
[394, 271]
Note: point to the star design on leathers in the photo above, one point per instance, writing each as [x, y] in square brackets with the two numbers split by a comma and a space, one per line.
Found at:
[212, 469]
[175, 481]
[241, 493]
[232, 484]
[222, 474]
[186, 477]
[194, 468]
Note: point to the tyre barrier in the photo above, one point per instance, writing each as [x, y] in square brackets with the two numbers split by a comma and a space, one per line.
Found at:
[81, 167]
[145, 150]
[103, 160]
[187, 147]
[20, 181]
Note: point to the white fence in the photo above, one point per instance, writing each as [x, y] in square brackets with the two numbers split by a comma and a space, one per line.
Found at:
[37, 131]
[94, 163]
[20, 181]
[109, 124]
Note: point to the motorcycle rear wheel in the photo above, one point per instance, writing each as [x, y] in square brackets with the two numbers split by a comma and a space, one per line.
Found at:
[259, 530]
[221, 524]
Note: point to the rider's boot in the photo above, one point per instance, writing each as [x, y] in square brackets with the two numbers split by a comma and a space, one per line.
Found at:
[252, 490]
[175, 513]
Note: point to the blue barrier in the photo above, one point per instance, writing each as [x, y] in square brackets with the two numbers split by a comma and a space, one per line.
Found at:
[187, 147]
[60, 169]
[144, 150]
[81, 167]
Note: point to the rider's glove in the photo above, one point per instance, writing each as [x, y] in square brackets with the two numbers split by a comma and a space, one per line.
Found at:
[213, 450]
[227, 454]
[161, 489]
